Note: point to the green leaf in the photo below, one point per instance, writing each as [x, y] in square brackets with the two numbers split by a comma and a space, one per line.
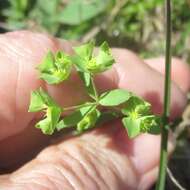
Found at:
[150, 124]
[85, 51]
[48, 100]
[105, 47]
[114, 97]
[86, 78]
[88, 82]
[146, 124]
[74, 118]
[48, 124]
[132, 126]
[136, 107]
[62, 60]
[79, 63]
[36, 102]
[78, 11]
[47, 63]
[103, 61]
[88, 121]
[40, 100]
[56, 69]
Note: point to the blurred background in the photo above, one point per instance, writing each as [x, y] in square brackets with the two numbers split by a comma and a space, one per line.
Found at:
[134, 24]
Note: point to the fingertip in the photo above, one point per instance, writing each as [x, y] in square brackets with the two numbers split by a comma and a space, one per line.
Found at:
[180, 71]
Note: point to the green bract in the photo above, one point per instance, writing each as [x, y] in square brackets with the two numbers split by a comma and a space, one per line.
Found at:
[139, 118]
[136, 106]
[145, 124]
[85, 61]
[74, 118]
[88, 121]
[41, 101]
[55, 69]
[119, 103]
[48, 125]
[132, 125]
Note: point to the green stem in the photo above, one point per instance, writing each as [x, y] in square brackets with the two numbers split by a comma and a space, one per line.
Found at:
[164, 135]
[79, 106]
[94, 88]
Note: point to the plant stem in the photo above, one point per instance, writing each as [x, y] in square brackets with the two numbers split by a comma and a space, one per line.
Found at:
[164, 135]
[79, 106]
[94, 88]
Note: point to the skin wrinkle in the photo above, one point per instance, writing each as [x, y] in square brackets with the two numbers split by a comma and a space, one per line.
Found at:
[69, 167]
[49, 178]
[41, 175]
[108, 166]
[89, 158]
[69, 181]
[88, 166]
[72, 177]
[102, 153]
[16, 88]
[85, 170]
[11, 48]
[59, 179]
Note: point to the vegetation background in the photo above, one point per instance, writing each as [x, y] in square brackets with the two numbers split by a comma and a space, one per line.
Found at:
[134, 24]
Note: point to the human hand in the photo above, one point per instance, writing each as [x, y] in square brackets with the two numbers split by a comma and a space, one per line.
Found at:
[101, 159]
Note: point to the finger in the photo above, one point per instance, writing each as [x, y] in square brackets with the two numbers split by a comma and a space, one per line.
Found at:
[180, 71]
[100, 159]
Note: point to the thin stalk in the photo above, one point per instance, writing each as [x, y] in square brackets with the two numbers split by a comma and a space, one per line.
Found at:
[166, 113]
[79, 106]
[94, 88]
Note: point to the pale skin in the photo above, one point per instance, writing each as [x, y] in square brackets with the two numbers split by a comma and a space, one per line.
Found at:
[103, 159]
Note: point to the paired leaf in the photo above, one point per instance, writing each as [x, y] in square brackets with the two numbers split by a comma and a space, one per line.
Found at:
[85, 51]
[147, 124]
[40, 100]
[73, 119]
[85, 61]
[139, 118]
[47, 63]
[88, 121]
[103, 61]
[114, 97]
[48, 124]
[37, 102]
[150, 124]
[56, 69]
[132, 126]
[136, 106]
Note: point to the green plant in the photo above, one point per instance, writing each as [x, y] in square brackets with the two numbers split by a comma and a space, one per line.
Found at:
[119, 103]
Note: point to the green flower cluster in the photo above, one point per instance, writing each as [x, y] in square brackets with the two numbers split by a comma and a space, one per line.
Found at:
[55, 68]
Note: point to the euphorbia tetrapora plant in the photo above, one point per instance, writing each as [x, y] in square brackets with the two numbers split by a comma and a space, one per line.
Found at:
[134, 112]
